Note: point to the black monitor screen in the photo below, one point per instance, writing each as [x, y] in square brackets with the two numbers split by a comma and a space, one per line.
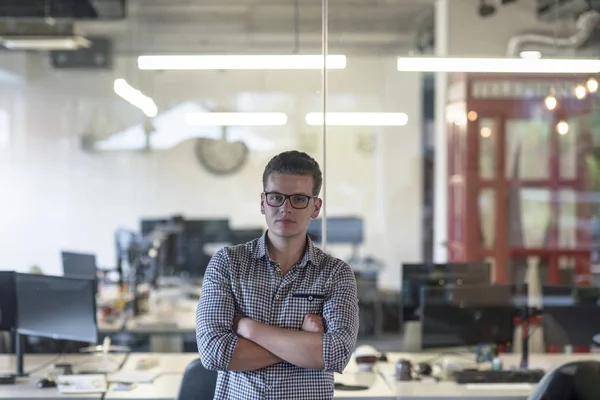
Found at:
[340, 230]
[241, 236]
[147, 226]
[217, 231]
[570, 315]
[418, 275]
[470, 273]
[8, 302]
[56, 307]
[79, 265]
[467, 316]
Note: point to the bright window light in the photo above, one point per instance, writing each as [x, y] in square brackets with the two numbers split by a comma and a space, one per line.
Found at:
[499, 65]
[357, 119]
[227, 62]
[135, 98]
[237, 119]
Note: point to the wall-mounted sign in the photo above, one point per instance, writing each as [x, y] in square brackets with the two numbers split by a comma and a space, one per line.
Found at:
[522, 89]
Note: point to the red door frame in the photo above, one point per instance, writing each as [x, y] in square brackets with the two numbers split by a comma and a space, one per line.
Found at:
[500, 110]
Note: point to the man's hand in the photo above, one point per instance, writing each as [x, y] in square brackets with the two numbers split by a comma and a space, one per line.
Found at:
[313, 323]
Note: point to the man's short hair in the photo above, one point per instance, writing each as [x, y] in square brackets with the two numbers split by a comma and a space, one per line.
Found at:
[295, 163]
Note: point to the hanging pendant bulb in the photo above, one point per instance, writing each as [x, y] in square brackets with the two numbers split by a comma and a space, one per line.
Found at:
[592, 85]
[562, 127]
[580, 92]
[550, 101]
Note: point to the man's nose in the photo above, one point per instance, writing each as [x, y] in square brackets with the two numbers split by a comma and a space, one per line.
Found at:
[286, 207]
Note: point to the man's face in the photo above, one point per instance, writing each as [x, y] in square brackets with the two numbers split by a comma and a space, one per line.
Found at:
[289, 216]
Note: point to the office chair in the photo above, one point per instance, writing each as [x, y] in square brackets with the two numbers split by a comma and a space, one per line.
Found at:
[198, 383]
[576, 380]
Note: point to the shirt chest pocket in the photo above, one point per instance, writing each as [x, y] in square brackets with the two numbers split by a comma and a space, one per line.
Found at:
[300, 304]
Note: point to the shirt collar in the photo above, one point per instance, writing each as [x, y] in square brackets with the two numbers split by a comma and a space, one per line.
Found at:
[309, 255]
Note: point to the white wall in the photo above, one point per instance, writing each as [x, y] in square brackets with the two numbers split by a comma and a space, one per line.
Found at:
[55, 196]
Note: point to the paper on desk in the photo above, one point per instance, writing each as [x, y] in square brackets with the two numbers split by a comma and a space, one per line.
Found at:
[499, 386]
[136, 376]
[83, 384]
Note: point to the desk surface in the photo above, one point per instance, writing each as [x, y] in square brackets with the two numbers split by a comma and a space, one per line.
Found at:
[166, 386]
[26, 388]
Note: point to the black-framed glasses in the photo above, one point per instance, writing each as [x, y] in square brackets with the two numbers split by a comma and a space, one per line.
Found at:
[297, 201]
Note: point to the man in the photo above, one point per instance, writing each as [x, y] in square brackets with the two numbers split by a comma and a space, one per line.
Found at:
[277, 316]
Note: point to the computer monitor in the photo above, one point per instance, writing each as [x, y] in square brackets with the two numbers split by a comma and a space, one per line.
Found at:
[79, 265]
[462, 316]
[217, 231]
[570, 315]
[241, 236]
[198, 235]
[56, 307]
[418, 275]
[8, 301]
[340, 230]
[147, 226]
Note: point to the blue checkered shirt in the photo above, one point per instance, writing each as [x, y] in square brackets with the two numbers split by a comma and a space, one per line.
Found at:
[243, 280]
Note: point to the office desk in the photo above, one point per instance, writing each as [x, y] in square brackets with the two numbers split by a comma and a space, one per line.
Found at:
[26, 388]
[170, 363]
[381, 384]
[166, 387]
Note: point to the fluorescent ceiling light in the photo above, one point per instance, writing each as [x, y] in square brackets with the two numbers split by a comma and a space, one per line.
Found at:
[26, 42]
[499, 65]
[236, 119]
[358, 119]
[135, 98]
[171, 130]
[226, 62]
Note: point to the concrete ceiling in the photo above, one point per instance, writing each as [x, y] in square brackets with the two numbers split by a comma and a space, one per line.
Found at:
[263, 26]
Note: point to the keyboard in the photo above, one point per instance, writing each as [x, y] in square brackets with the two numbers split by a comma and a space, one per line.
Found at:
[504, 376]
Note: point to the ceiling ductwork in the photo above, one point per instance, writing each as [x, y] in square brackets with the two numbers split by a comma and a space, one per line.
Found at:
[552, 10]
[584, 27]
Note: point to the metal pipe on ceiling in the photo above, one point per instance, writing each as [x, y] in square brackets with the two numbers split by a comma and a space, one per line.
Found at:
[584, 26]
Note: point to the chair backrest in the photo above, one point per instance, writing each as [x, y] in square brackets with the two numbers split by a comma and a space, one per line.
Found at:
[571, 381]
[198, 382]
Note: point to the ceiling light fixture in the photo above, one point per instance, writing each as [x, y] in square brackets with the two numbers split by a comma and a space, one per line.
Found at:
[49, 43]
[531, 54]
[135, 98]
[229, 62]
[237, 119]
[357, 119]
[499, 65]
[592, 85]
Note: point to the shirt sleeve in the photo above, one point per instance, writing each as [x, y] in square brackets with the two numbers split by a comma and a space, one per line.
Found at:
[340, 312]
[214, 315]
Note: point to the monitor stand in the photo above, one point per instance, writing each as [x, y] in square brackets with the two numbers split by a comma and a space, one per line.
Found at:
[19, 354]
[525, 315]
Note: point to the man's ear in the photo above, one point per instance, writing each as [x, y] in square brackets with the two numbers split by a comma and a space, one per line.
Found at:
[317, 209]
[262, 204]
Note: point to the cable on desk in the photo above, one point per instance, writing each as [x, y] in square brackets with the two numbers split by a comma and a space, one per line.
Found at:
[46, 364]
[124, 361]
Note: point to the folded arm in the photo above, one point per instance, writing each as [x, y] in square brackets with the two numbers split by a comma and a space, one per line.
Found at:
[330, 351]
[303, 349]
[219, 346]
